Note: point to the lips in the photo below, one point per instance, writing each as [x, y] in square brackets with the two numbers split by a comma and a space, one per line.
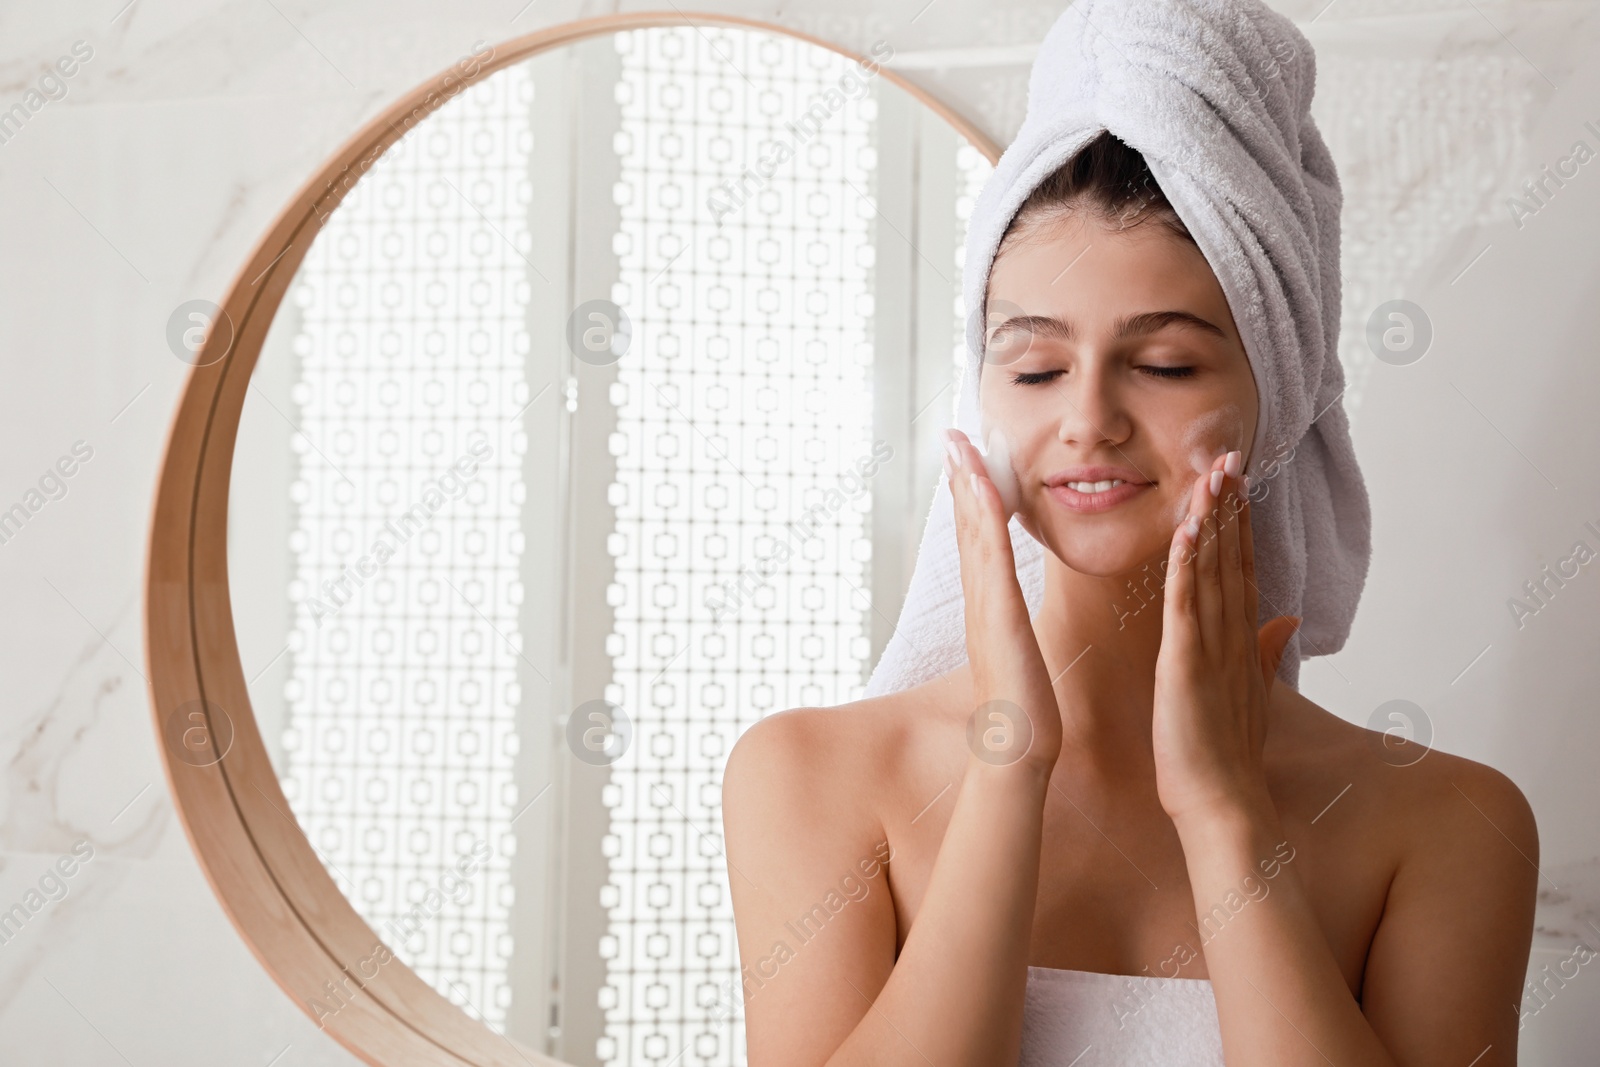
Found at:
[1090, 503]
[1057, 485]
[1095, 472]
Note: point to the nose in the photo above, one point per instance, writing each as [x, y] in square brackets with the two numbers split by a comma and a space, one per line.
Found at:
[1092, 409]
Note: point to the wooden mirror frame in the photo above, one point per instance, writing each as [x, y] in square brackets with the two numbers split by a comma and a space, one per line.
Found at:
[254, 854]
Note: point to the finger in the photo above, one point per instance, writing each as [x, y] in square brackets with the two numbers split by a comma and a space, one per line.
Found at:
[1177, 596]
[998, 628]
[1197, 504]
[956, 465]
[1274, 642]
[1247, 564]
[969, 532]
[986, 500]
[1182, 551]
[968, 459]
[981, 514]
[1239, 636]
[979, 461]
[980, 489]
[1208, 577]
[956, 472]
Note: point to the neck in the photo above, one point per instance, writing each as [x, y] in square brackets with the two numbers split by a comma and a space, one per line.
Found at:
[1100, 638]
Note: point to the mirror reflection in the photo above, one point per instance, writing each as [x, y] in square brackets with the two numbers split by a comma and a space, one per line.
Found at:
[599, 422]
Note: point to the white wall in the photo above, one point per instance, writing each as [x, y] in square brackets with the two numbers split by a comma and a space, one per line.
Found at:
[193, 123]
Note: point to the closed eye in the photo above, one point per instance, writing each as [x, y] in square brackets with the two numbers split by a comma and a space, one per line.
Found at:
[1039, 377]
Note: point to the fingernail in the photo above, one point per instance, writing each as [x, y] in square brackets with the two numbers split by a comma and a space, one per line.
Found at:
[1192, 525]
[972, 480]
[1231, 464]
[1216, 483]
[955, 453]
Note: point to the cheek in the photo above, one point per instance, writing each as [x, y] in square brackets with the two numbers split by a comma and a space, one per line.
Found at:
[1205, 438]
[1027, 414]
[1202, 441]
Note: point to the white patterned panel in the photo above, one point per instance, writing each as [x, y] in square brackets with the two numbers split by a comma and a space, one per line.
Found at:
[972, 171]
[403, 684]
[745, 399]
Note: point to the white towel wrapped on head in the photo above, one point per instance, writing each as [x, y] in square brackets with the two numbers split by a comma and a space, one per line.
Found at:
[1216, 95]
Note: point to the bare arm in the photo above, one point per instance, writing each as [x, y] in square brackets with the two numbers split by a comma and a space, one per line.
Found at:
[954, 996]
[1448, 956]
[1445, 968]
[1445, 973]
[1281, 999]
[839, 996]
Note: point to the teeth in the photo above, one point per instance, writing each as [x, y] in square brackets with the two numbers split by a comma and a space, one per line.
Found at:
[1094, 487]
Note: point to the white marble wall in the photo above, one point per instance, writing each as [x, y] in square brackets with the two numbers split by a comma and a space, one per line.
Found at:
[194, 120]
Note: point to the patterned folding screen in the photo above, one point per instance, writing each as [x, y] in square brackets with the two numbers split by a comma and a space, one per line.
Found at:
[402, 690]
[750, 290]
[739, 527]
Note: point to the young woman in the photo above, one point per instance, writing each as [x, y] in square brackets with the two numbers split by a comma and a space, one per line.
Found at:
[968, 871]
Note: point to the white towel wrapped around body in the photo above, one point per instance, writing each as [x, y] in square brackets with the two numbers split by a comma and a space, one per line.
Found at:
[1216, 95]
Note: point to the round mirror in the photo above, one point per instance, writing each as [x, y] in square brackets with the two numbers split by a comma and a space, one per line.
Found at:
[574, 419]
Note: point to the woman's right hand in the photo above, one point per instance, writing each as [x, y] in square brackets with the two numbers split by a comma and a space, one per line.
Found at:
[802, 799]
[1016, 719]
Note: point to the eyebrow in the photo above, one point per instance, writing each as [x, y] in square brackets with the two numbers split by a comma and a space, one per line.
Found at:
[1145, 322]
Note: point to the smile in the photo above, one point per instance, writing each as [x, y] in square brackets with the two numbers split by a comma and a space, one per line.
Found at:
[1090, 497]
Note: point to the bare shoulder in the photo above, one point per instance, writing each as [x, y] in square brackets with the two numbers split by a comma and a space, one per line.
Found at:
[1433, 799]
[1449, 849]
[806, 851]
[1471, 794]
[817, 764]
[1420, 786]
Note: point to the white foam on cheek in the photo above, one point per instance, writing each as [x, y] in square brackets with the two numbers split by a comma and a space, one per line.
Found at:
[1217, 431]
[996, 450]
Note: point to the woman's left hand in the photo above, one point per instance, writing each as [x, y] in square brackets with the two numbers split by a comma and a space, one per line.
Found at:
[1214, 671]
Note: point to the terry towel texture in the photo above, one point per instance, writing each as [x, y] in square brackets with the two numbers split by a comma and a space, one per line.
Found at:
[1127, 1020]
[1216, 94]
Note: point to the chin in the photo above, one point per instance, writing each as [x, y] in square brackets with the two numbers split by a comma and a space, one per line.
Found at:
[1111, 550]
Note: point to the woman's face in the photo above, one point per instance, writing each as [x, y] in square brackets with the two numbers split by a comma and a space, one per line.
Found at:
[1115, 349]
